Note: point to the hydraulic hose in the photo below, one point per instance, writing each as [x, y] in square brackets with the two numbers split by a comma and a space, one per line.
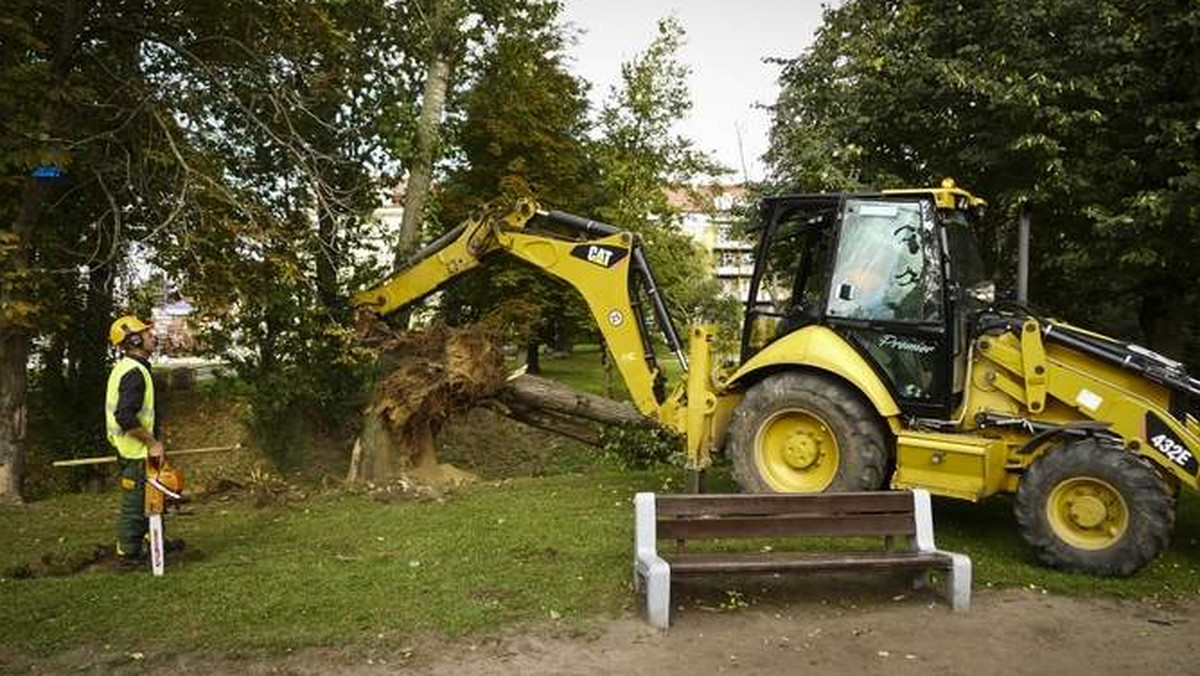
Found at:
[590, 228]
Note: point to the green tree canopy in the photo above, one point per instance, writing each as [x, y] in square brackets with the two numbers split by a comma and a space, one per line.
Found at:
[1083, 110]
[524, 133]
[640, 153]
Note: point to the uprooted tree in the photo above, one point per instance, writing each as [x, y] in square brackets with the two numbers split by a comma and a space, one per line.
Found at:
[432, 376]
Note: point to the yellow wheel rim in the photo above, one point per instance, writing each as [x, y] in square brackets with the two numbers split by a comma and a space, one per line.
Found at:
[1087, 513]
[796, 452]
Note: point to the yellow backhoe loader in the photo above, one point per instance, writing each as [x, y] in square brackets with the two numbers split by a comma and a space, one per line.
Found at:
[872, 354]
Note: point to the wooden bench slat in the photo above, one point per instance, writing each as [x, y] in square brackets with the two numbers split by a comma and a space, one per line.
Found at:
[734, 504]
[782, 526]
[813, 561]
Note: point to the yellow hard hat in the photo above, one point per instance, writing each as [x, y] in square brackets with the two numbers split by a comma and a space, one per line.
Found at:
[126, 326]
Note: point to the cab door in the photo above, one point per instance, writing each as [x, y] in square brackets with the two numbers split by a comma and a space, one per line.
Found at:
[886, 297]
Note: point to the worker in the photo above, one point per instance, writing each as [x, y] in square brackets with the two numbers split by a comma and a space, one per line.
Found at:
[132, 425]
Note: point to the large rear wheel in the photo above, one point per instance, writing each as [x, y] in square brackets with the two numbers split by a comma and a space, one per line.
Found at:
[806, 433]
[1091, 507]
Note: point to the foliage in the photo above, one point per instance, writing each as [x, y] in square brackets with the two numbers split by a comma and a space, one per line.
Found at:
[235, 149]
[522, 135]
[229, 145]
[637, 448]
[639, 153]
[1083, 111]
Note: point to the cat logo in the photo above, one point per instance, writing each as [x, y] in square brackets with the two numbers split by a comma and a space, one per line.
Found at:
[600, 254]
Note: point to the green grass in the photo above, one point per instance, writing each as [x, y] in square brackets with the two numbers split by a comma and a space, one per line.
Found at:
[341, 568]
[988, 533]
[335, 568]
[581, 370]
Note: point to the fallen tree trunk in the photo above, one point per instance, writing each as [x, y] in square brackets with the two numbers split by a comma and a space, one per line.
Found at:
[540, 394]
[551, 422]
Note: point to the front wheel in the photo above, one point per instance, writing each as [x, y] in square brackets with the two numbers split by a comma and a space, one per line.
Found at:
[1093, 508]
[806, 433]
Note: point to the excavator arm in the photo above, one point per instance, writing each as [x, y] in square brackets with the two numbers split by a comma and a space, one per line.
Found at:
[606, 265]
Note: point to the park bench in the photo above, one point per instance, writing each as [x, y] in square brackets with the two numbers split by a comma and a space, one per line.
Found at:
[896, 516]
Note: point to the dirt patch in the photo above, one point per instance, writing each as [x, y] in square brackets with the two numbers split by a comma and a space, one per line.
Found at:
[1006, 633]
[99, 558]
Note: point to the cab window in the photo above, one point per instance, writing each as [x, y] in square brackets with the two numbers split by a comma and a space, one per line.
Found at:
[887, 263]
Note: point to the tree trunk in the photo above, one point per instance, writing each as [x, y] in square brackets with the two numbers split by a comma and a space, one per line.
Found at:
[89, 350]
[436, 375]
[14, 352]
[552, 422]
[14, 338]
[540, 394]
[1163, 321]
[14, 348]
[420, 173]
[533, 363]
[564, 342]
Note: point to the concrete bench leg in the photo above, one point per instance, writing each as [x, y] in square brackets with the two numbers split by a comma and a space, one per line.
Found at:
[649, 569]
[958, 582]
[658, 594]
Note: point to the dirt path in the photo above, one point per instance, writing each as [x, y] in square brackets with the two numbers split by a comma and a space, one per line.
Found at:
[1009, 633]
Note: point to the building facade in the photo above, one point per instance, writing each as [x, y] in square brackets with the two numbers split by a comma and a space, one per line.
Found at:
[708, 214]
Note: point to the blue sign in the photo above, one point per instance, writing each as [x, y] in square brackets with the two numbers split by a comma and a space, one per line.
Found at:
[47, 171]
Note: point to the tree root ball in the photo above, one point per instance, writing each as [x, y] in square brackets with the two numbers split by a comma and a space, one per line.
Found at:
[431, 376]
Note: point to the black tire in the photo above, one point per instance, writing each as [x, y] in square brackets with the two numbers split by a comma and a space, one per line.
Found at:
[861, 458]
[1132, 532]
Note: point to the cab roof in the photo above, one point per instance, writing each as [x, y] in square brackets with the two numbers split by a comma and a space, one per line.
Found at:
[948, 196]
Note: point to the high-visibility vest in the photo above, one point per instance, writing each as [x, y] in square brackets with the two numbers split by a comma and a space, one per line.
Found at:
[127, 445]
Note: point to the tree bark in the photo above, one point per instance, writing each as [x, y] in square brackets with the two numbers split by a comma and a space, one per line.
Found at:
[533, 363]
[420, 174]
[433, 103]
[14, 353]
[552, 422]
[564, 342]
[540, 394]
[1163, 321]
[14, 350]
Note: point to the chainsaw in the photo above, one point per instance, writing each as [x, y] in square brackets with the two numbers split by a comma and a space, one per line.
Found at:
[163, 484]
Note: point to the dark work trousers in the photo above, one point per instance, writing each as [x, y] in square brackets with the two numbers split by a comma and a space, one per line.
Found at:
[131, 518]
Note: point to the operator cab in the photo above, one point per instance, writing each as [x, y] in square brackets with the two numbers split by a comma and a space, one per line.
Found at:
[897, 274]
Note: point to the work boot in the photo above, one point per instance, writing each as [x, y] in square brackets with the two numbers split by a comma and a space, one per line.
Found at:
[129, 563]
